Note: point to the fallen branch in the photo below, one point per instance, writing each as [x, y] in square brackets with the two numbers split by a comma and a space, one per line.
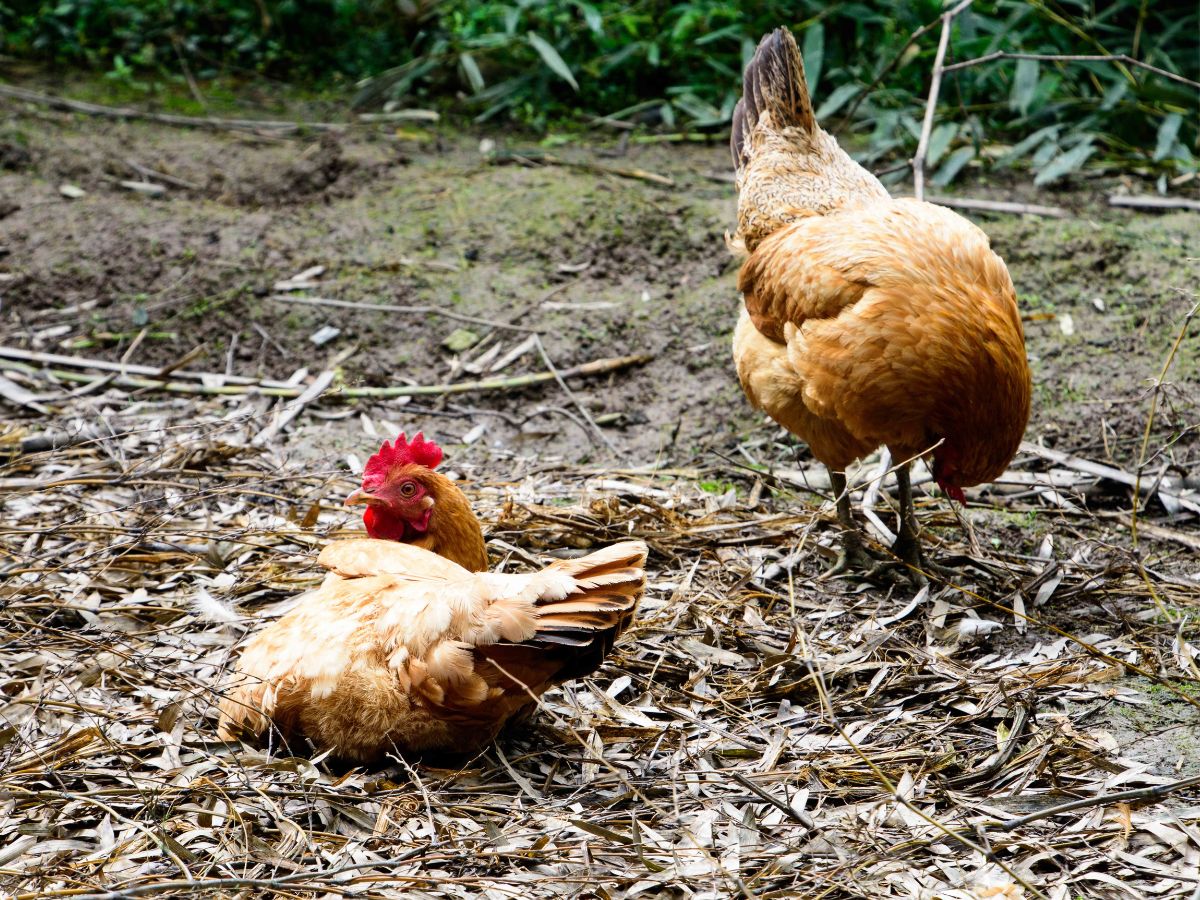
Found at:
[282, 417]
[1153, 202]
[1163, 534]
[536, 158]
[798, 817]
[391, 308]
[80, 362]
[584, 370]
[1028, 209]
[1053, 57]
[155, 175]
[126, 113]
[1102, 471]
[1156, 792]
[50, 440]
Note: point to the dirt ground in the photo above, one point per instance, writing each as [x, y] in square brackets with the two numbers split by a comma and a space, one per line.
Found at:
[490, 243]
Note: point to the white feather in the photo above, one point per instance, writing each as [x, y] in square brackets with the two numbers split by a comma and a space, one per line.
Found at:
[207, 607]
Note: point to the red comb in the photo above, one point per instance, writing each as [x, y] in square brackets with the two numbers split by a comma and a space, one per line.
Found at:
[420, 453]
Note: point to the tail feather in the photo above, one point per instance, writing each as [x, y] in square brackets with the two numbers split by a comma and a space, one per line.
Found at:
[582, 627]
[774, 85]
[737, 136]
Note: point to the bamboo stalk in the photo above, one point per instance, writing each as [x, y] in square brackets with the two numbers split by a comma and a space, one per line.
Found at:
[81, 362]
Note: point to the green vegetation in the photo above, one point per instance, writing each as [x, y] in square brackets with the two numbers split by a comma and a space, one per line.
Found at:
[676, 66]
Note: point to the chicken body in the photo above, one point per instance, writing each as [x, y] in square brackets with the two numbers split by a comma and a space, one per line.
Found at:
[402, 650]
[867, 321]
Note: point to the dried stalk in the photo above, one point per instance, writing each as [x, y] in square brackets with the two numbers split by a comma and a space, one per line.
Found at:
[1142, 451]
[1055, 57]
[935, 86]
[392, 308]
[878, 79]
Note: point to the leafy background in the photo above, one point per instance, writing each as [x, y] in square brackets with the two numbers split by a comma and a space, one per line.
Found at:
[675, 66]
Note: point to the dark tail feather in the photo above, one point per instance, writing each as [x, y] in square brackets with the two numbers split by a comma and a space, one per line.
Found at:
[774, 83]
[737, 137]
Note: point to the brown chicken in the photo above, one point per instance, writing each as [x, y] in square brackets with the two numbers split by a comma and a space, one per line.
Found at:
[404, 650]
[867, 321]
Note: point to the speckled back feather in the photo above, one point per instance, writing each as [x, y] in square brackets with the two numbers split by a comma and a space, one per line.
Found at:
[787, 167]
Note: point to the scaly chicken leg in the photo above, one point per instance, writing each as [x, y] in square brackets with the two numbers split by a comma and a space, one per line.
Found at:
[853, 556]
[907, 545]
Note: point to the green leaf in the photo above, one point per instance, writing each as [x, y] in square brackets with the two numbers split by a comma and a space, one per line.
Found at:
[1024, 85]
[1116, 90]
[1065, 163]
[592, 17]
[747, 52]
[1049, 133]
[1168, 131]
[939, 142]
[837, 100]
[814, 54]
[471, 71]
[953, 165]
[552, 60]
[1044, 154]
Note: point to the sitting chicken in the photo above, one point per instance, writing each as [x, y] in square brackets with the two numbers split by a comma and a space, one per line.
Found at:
[404, 650]
[867, 321]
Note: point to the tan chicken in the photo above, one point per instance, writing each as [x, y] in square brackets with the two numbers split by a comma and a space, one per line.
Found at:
[867, 321]
[403, 650]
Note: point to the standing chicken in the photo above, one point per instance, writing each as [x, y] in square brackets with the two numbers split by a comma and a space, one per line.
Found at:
[867, 321]
[401, 649]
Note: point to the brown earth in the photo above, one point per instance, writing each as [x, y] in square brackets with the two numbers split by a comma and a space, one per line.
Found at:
[602, 265]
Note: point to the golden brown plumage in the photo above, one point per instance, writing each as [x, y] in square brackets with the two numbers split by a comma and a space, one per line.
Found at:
[402, 650]
[867, 321]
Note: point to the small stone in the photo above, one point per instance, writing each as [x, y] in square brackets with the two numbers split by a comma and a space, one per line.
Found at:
[323, 336]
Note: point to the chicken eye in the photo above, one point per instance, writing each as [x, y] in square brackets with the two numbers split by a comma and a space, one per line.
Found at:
[408, 489]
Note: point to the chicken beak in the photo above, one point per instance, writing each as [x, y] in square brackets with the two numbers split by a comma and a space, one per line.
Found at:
[359, 497]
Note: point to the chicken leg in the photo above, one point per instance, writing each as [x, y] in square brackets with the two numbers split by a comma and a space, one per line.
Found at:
[907, 547]
[853, 555]
[908, 543]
